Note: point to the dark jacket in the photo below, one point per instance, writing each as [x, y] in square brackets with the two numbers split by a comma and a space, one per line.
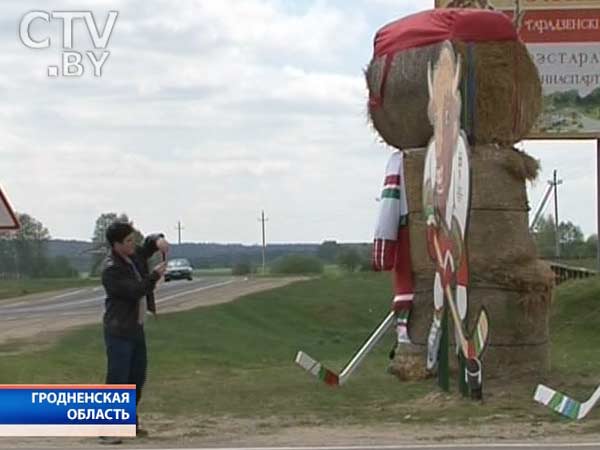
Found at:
[124, 290]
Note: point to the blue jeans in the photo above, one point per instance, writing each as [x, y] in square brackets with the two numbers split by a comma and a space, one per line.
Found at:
[127, 360]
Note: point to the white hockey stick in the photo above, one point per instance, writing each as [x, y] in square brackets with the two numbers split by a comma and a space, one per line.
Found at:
[331, 378]
[563, 404]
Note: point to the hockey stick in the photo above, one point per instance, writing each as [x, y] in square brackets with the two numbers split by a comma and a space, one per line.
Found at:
[563, 404]
[473, 347]
[331, 378]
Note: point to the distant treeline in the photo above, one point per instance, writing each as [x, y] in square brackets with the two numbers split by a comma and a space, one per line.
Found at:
[31, 252]
[201, 255]
[572, 98]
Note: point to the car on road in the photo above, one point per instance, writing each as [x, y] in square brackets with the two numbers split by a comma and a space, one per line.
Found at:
[179, 269]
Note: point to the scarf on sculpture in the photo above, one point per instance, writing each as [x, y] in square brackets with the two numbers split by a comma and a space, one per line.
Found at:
[391, 246]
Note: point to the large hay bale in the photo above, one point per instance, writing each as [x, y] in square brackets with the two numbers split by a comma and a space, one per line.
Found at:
[507, 89]
[499, 209]
[495, 238]
[401, 119]
[519, 332]
[409, 363]
[491, 167]
[505, 275]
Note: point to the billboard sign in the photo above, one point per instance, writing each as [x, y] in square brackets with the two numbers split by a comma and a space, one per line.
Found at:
[563, 38]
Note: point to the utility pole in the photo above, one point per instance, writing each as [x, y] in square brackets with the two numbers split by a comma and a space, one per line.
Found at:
[179, 228]
[264, 244]
[555, 183]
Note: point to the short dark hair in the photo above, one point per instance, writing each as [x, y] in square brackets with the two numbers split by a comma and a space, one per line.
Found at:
[118, 231]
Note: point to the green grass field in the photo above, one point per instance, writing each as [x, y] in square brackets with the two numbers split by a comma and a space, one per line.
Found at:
[237, 359]
[575, 326]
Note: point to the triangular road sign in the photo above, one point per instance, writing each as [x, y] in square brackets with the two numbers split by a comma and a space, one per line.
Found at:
[8, 219]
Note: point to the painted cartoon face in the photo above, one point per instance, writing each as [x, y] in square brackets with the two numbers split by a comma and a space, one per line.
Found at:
[444, 114]
[446, 131]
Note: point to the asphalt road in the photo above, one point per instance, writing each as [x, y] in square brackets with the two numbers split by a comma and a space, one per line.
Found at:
[90, 300]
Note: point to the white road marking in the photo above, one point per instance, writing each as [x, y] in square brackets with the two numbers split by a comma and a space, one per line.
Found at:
[67, 294]
[10, 305]
[192, 291]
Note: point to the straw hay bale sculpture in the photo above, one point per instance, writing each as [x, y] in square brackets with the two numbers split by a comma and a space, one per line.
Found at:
[503, 102]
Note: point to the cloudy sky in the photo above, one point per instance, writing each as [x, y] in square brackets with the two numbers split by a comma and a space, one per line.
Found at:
[209, 112]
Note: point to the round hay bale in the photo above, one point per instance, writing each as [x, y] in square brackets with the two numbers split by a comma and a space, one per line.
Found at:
[532, 278]
[499, 209]
[494, 238]
[499, 236]
[507, 89]
[409, 365]
[519, 333]
[505, 275]
[491, 168]
[402, 119]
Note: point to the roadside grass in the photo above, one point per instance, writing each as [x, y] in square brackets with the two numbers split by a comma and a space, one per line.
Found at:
[575, 326]
[214, 272]
[236, 360]
[26, 286]
[332, 270]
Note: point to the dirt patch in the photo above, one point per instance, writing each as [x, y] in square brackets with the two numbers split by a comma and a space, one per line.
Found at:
[413, 424]
[231, 432]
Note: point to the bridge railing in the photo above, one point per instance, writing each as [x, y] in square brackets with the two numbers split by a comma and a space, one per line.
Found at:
[563, 272]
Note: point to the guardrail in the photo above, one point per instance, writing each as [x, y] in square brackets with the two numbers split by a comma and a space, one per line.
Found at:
[564, 273]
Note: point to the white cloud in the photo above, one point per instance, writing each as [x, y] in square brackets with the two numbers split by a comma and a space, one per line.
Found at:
[207, 112]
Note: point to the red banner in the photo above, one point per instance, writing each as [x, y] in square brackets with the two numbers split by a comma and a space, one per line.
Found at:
[561, 26]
